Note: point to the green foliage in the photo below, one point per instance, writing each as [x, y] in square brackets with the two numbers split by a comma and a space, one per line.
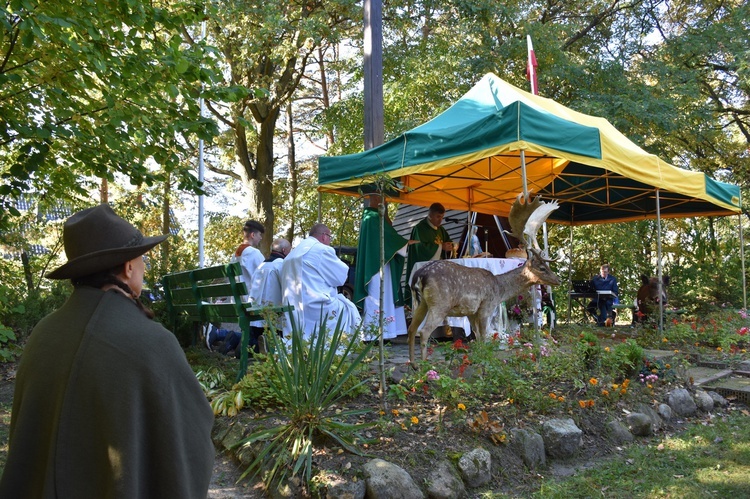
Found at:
[86, 95]
[308, 380]
[588, 348]
[623, 360]
[726, 330]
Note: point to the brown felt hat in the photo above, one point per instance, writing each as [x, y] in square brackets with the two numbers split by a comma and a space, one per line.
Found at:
[96, 239]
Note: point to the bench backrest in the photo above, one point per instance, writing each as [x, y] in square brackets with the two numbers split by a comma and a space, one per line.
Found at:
[211, 294]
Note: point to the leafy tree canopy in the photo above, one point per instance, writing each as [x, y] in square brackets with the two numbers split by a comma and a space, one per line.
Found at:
[89, 89]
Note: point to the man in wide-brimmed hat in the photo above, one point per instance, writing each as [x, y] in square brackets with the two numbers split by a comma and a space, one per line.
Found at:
[105, 403]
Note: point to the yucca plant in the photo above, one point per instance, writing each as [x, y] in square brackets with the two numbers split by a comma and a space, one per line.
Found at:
[311, 377]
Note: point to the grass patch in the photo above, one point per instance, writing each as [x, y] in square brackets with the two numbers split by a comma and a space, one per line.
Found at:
[710, 460]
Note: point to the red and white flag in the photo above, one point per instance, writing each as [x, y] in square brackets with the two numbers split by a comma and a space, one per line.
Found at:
[531, 68]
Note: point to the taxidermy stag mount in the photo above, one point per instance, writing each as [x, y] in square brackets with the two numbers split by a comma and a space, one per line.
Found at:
[444, 289]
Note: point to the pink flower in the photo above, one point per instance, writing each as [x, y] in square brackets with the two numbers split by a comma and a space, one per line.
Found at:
[432, 375]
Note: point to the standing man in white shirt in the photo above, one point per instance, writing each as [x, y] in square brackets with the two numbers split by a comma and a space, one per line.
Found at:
[248, 253]
[310, 277]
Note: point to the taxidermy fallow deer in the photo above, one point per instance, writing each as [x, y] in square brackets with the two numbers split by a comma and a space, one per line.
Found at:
[446, 289]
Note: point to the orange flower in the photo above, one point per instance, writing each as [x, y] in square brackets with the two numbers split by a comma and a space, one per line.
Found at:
[605, 393]
[615, 386]
[395, 412]
[623, 391]
[626, 383]
[414, 420]
[590, 403]
[593, 381]
[561, 398]
[461, 407]
[553, 396]
[582, 403]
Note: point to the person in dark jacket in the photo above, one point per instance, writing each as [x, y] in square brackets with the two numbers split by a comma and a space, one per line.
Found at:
[105, 403]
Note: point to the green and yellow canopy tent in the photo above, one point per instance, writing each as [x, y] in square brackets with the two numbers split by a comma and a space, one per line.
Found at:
[497, 139]
[471, 157]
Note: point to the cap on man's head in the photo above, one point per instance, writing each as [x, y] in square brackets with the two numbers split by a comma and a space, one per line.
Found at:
[97, 239]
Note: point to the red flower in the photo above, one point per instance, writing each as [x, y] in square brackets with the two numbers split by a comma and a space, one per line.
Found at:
[743, 331]
[459, 345]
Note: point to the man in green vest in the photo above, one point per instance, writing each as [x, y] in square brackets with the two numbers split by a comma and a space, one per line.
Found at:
[434, 243]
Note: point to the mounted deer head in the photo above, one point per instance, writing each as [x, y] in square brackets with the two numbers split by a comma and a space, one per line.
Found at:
[526, 217]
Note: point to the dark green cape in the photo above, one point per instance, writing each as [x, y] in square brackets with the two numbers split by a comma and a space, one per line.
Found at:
[106, 406]
[368, 256]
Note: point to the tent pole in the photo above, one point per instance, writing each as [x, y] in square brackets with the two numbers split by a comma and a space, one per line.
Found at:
[523, 175]
[552, 315]
[658, 263]
[570, 268]
[742, 256]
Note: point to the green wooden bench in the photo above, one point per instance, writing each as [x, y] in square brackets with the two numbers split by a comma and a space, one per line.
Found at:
[214, 295]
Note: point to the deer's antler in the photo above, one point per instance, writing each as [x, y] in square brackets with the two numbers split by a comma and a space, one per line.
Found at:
[526, 218]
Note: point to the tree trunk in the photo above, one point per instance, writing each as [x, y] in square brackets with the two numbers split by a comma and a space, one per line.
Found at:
[260, 188]
[27, 272]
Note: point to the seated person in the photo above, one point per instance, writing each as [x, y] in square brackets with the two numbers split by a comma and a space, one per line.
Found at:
[266, 291]
[227, 340]
[310, 277]
[605, 282]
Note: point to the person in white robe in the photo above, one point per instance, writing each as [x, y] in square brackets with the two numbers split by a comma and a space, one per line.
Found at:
[310, 276]
[265, 290]
[248, 253]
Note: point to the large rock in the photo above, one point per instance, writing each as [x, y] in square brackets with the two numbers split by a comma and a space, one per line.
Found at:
[682, 402]
[639, 424]
[656, 422]
[444, 482]
[529, 446]
[562, 438]
[618, 432]
[343, 489]
[385, 479]
[665, 412]
[704, 401]
[718, 399]
[476, 467]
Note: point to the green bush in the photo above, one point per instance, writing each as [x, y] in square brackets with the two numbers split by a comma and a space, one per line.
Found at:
[308, 379]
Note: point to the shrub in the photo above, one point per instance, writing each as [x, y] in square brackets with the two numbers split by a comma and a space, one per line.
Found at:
[308, 379]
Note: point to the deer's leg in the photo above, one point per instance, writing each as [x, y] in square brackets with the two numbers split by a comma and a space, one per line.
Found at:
[432, 321]
[416, 319]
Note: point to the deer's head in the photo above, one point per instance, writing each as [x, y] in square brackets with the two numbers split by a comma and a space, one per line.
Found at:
[538, 270]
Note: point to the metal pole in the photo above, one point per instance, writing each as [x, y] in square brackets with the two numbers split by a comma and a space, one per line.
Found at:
[570, 270]
[201, 169]
[523, 175]
[742, 257]
[373, 69]
[658, 266]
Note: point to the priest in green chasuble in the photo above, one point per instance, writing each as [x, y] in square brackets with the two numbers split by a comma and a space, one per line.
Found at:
[433, 242]
[367, 281]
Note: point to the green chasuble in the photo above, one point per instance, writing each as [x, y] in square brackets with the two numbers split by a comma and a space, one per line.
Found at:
[368, 256]
[430, 239]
